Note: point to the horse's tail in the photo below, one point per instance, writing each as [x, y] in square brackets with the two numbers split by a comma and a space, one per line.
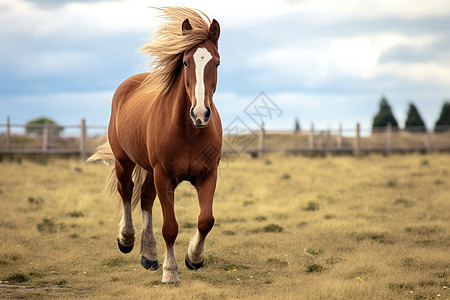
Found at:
[104, 153]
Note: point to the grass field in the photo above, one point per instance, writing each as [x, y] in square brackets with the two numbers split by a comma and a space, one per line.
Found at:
[287, 227]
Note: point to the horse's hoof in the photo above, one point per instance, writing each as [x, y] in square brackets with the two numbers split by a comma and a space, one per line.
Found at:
[190, 265]
[124, 249]
[151, 265]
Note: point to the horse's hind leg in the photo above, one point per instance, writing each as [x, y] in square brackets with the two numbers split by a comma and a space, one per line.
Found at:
[149, 251]
[124, 170]
[196, 251]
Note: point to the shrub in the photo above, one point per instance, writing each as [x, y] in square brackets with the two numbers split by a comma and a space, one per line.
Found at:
[76, 214]
[314, 268]
[286, 176]
[37, 200]
[273, 228]
[312, 206]
[17, 277]
[276, 262]
[30, 127]
[47, 225]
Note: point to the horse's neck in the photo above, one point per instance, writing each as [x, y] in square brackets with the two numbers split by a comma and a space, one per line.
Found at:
[181, 107]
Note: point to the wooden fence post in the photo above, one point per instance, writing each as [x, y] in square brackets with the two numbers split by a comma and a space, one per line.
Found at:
[388, 139]
[339, 137]
[358, 140]
[45, 137]
[311, 137]
[83, 139]
[261, 141]
[320, 141]
[8, 133]
[428, 133]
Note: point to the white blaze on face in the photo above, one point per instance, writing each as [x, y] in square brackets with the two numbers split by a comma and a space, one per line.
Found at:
[201, 58]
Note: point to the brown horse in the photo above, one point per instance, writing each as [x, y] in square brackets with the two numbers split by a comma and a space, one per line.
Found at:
[165, 129]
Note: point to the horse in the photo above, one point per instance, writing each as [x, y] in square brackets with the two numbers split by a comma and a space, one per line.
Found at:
[165, 129]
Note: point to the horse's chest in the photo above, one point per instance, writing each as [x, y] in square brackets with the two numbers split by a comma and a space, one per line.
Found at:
[187, 162]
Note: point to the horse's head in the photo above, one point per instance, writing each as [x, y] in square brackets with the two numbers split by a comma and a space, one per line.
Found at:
[200, 69]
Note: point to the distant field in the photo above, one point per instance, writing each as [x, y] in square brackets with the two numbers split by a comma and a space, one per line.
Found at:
[287, 227]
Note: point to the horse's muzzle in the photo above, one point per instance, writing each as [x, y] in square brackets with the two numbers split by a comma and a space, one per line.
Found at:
[202, 120]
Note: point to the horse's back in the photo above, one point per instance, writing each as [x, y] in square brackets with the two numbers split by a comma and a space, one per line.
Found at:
[125, 126]
[129, 86]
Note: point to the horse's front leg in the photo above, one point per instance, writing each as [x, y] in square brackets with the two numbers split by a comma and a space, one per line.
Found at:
[196, 251]
[165, 187]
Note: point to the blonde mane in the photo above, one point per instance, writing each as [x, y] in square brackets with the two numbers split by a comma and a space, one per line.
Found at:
[166, 48]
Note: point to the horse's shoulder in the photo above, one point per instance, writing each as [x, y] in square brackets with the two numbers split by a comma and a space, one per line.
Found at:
[130, 84]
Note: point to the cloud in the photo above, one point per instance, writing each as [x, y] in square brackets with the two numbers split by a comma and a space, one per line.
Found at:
[55, 50]
[309, 54]
[56, 3]
[55, 64]
[375, 8]
[434, 51]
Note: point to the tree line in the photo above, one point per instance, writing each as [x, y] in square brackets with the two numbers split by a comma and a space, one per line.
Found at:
[414, 121]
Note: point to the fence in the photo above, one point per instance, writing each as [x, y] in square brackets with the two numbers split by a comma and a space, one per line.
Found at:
[350, 140]
[50, 138]
[75, 139]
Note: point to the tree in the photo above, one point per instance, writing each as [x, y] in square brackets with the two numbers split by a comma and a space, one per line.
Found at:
[384, 116]
[297, 125]
[414, 122]
[444, 119]
[36, 126]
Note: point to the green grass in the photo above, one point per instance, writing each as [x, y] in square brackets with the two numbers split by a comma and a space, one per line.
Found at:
[310, 228]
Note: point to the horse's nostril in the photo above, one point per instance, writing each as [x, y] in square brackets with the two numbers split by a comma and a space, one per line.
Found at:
[207, 114]
[192, 114]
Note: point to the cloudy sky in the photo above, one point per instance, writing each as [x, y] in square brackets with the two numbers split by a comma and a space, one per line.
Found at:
[326, 62]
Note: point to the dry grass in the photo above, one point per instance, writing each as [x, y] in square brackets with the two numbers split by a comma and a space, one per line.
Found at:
[286, 227]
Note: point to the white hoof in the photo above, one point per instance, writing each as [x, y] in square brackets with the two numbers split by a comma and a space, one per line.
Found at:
[170, 276]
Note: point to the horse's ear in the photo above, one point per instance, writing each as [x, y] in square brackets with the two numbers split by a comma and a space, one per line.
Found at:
[214, 31]
[185, 26]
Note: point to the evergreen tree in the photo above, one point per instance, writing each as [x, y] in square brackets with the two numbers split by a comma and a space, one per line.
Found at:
[297, 125]
[414, 122]
[444, 119]
[384, 116]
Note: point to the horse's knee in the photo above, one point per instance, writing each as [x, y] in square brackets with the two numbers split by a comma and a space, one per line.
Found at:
[205, 224]
[125, 189]
[170, 232]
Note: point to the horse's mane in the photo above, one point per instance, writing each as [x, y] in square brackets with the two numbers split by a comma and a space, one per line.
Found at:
[166, 48]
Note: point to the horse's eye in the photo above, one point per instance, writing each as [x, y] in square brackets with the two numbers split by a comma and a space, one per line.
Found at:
[185, 64]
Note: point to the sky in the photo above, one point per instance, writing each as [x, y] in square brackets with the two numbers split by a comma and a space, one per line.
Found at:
[322, 61]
